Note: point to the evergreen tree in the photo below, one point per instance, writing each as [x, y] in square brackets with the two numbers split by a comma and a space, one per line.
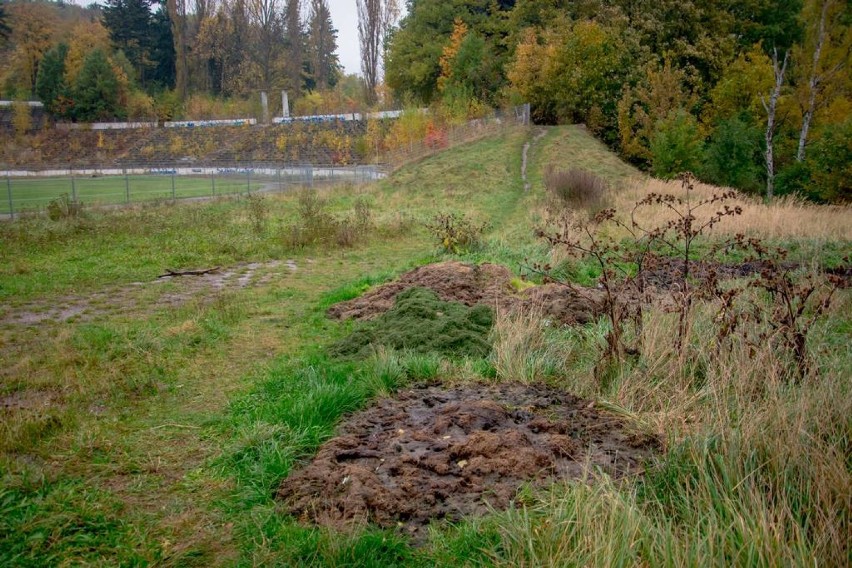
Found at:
[129, 25]
[96, 90]
[162, 50]
[324, 66]
[50, 82]
[295, 47]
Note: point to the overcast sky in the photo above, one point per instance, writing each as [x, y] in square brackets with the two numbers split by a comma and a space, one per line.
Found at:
[345, 18]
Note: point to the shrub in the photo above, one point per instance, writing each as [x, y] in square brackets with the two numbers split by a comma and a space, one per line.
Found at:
[63, 207]
[258, 212]
[456, 232]
[577, 187]
[319, 227]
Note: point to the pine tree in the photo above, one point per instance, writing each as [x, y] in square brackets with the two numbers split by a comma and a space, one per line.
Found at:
[96, 91]
[130, 29]
[50, 83]
[322, 57]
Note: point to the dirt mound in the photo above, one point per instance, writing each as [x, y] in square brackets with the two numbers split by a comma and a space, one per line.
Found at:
[434, 453]
[470, 284]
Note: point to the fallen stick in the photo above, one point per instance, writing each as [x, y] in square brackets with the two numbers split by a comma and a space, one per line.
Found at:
[170, 272]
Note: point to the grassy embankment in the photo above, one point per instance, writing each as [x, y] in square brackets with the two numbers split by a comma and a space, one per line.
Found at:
[145, 430]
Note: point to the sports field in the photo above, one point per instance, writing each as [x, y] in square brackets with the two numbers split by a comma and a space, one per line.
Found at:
[27, 194]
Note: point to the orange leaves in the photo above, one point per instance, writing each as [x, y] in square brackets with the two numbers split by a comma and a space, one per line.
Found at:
[460, 30]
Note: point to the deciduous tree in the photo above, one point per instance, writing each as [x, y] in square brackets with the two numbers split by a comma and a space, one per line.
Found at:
[375, 17]
[827, 44]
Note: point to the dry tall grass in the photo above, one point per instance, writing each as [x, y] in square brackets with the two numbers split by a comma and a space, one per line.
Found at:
[757, 466]
[783, 218]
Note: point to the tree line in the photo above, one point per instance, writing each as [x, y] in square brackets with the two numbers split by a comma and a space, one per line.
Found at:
[752, 94]
[143, 58]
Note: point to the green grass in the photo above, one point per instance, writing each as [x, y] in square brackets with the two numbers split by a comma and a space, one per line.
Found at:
[149, 432]
[36, 193]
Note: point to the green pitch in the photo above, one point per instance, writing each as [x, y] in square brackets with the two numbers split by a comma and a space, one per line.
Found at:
[29, 194]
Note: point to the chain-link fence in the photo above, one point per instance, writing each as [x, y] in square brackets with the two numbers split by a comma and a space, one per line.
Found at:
[33, 190]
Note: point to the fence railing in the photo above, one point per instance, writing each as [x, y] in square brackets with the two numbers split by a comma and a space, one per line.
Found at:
[33, 190]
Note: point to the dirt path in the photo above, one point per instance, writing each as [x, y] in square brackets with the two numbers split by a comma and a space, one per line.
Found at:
[526, 149]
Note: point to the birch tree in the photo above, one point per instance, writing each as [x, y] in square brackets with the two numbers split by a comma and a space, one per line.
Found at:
[771, 108]
[829, 43]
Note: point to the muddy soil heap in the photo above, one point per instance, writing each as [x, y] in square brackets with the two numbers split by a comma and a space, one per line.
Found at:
[469, 284]
[435, 453]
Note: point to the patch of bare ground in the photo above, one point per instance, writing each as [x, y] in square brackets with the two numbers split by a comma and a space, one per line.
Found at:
[135, 297]
[434, 453]
[471, 284]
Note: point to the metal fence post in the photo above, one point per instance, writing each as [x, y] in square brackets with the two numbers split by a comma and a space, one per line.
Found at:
[173, 183]
[126, 187]
[248, 179]
[278, 173]
[73, 185]
[213, 179]
[9, 193]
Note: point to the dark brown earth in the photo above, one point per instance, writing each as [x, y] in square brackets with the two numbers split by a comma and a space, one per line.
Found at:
[432, 453]
[666, 272]
[471, 284]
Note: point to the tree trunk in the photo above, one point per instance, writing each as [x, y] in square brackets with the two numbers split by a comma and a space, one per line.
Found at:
[813, 84]
[771, 109]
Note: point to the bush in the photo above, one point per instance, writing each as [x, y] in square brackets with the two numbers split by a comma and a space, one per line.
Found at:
[831, 156]
[577, 187]
[319, 227]
[63, 207]
[456, 232]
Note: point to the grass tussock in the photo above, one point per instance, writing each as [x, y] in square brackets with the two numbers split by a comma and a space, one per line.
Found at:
[577, 188]
[525, 350]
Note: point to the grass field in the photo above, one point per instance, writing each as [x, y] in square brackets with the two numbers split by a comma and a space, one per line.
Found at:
[153, 425]
[35, 193]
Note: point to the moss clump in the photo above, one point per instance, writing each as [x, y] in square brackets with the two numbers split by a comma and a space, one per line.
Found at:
[422, 322]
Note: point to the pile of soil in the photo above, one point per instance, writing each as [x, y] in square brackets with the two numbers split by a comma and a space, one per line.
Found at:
[419, 321]
[470, 284]
[433, 453]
